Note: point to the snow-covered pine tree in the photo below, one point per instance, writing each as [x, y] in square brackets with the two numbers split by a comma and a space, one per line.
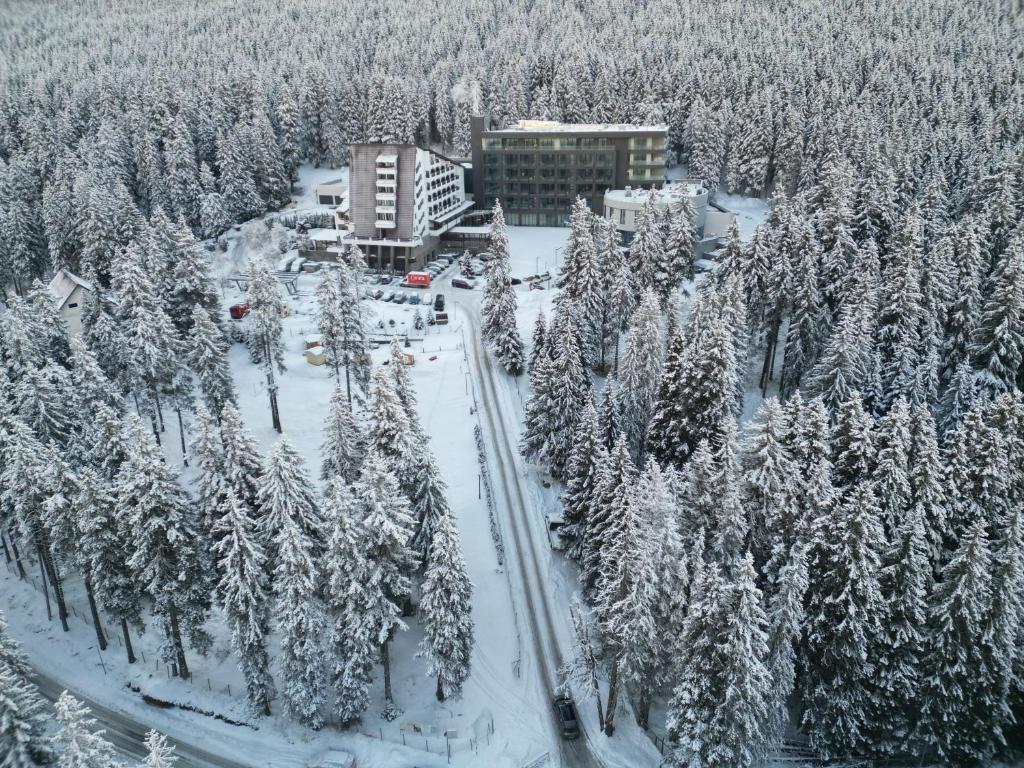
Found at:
[25, 489]
[615, 478]
[581, 481]
[730, 524]
[147, 331]
[264, 328]
[78, 742]
[645, 250]
[354, 645]
[244, 596]
[845, 608]
[102, 540]
[699, 384]
[445, 606]
[343, 441]
[167, 552]
[964, 313]
[191, 280]
[767, 475]
[387, 521]
[286, 492]
[242, 466]
[23, 722]
[680, 247]
[626, 597]
[900, 315]
[640, 372]
[429, 503]
[559, 391]
[927, 496]
[390, 431]
[962, 710]
[753, 145]
[342, 323]
[997, 347]
[906, 581]
[892, 466]
[538, 342]
[662, 436]
[719, 715]
[498, 308]
[160, 754]
[236, 182]
[206, 352]
[580, 281]
[301, 621]
[803, 336]
[785, 611]
[854, 444]
[842, 368]
[671, 561]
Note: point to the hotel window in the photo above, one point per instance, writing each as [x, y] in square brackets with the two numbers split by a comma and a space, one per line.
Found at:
[622, 215]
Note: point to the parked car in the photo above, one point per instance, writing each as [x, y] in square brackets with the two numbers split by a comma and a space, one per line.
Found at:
[385, 279]
[459, 282]
[401, 298]
[377, 293]
[426, 300]
[516, 281]
[238, 311]
[413, 298]
[439, 303]
[567, 722]
[389, 296]
[485, 256]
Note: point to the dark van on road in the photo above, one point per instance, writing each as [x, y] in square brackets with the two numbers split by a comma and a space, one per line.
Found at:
[567, 722]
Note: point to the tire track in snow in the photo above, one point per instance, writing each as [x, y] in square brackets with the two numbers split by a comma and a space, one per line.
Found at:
[545, 636]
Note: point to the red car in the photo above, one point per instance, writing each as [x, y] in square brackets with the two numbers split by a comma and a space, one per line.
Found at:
[238, 311]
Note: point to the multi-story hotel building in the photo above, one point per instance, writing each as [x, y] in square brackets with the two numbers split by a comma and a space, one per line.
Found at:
[536, 168]
[402, 199]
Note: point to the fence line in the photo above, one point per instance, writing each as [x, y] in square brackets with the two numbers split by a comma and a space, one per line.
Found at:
[440, 743]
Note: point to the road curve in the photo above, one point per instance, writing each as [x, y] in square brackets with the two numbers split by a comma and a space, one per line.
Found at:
[548, 650]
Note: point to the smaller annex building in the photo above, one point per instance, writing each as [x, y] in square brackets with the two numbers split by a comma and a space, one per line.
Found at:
[69, 292]
[712, 222]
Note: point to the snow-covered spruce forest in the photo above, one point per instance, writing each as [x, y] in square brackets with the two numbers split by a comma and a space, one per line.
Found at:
[846, 565]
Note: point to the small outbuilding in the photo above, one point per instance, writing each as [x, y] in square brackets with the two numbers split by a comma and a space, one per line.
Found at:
[69, 291]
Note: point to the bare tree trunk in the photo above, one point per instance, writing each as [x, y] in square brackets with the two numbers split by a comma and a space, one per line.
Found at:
[613, 698]
[100, 637]
[159, 410]
[7, 552]
[385, 658]
[179, 648]
[46, 591]
[17, 556]
[43, 547]
[643, 706]
[268, 360]
[181, 431]
[127, 642]
[439, 692]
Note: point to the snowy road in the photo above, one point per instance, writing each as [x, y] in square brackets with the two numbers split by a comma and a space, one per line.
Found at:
[128, 735]
[531, 552]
